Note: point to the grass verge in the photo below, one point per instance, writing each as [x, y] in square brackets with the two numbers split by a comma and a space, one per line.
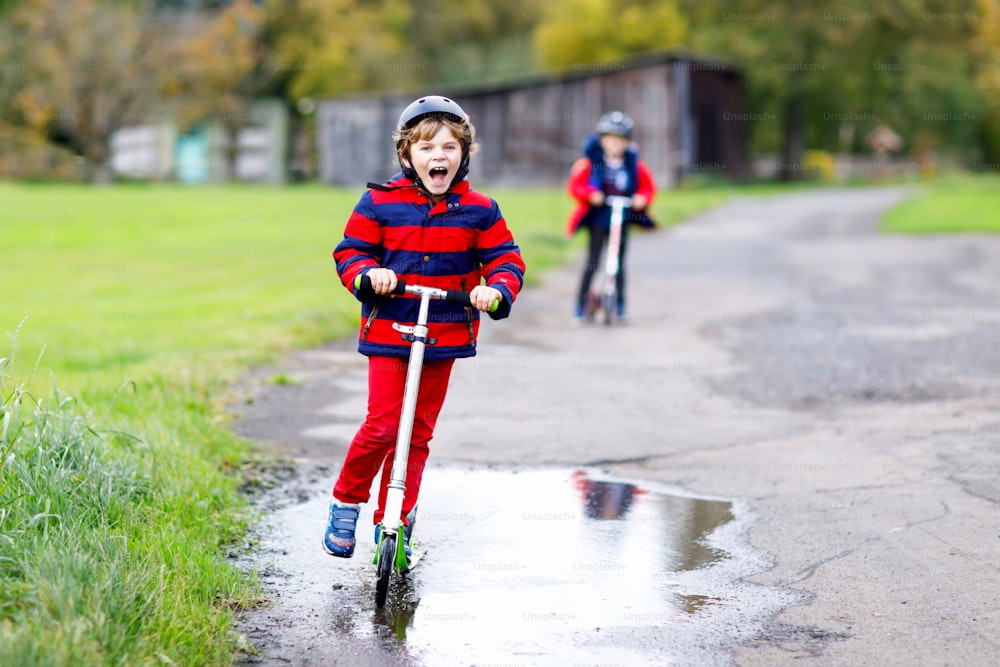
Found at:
[952, 204]
[119, 490]
[99, 560]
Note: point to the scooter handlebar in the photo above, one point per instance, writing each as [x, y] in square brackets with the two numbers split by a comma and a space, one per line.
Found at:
[363, 285]
[618, 200]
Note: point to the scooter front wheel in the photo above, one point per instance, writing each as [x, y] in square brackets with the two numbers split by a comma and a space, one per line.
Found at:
[383, 568]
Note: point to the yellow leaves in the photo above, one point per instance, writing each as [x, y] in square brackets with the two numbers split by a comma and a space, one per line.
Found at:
[572, 32]
[223, 50]
[36, 112]
[986, 68]
[583, 31]
[657, 26]
[89, 67]
[326, 47]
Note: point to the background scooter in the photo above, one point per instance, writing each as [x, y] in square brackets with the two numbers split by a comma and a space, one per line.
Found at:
[603, 301]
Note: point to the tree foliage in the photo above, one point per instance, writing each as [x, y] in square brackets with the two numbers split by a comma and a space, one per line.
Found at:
[986, 47]
[328, 47]
[820, 75]
[817, 69]
[457, 41]
[81, 70]
[585, 31]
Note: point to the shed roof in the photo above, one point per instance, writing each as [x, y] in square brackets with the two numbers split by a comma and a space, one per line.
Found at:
[575, 73]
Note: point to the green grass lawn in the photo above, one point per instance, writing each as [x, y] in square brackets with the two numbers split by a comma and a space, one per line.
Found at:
[119, 490]
[123, 283]
[954, 204]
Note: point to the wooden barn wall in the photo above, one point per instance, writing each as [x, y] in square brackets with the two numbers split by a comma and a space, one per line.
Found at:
[355, 140]
[531, 135]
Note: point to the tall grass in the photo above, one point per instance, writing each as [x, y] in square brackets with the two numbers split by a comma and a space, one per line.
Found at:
[83, 578]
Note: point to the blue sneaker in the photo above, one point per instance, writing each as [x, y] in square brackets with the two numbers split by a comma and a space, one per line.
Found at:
[339, 538]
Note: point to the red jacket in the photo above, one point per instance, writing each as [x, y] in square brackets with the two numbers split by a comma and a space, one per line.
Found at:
[580, 188]
[453, 244]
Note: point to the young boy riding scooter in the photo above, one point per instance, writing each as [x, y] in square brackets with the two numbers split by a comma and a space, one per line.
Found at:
[610, 167]
[424, 226]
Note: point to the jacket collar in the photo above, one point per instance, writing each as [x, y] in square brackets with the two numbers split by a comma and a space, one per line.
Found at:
[399, 182]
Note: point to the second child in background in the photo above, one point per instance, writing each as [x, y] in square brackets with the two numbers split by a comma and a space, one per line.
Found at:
[610, 166]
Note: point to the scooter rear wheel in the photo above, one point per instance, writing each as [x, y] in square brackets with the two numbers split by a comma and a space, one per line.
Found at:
[607, 303]
[383, 568]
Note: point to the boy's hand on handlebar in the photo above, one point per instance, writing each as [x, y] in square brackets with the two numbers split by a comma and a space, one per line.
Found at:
[596, 198]
[383, 280]
[483, 297]
[639, 202]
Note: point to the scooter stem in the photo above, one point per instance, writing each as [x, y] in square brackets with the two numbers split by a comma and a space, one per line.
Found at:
[618, 206]
[397, 481]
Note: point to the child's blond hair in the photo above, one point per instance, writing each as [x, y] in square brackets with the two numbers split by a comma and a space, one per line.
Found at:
[428, 127]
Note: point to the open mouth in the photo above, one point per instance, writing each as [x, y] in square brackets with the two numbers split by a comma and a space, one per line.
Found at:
[439, 175]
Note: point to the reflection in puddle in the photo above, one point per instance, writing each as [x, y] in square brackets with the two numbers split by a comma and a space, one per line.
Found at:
[604, 500]
[398, 613]
[699, 519]
[612, 500]
[693, 603]
[539, 558]
[551, 566]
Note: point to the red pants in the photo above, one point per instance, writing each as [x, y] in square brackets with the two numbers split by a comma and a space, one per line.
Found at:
[375, 442]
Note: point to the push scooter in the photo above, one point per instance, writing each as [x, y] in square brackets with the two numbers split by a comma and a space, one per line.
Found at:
[605, 301]
[390, 553]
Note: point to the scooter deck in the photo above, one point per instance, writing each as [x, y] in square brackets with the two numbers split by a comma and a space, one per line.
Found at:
[415, 558]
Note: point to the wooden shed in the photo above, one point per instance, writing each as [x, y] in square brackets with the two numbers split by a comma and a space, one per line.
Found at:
[690, 117]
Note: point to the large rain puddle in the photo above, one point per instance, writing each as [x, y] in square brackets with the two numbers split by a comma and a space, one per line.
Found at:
[521, 568]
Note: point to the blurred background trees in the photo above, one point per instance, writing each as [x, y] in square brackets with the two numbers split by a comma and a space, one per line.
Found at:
[586, 31]
[855, 64]
[74, 72]
[820, 75]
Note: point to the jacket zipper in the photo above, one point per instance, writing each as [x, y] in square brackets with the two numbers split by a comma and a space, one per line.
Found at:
[371, 318]
[468, 319]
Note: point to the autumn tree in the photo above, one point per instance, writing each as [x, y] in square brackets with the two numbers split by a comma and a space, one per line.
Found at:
[460, 42]
[223, 66]
[90, 67]
[986, 72]
[585, 31]
[331, 47]
[328, 47]
[815, 67]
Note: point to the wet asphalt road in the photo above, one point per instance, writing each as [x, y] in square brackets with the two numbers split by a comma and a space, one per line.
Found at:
[837, 388]
[522, 567]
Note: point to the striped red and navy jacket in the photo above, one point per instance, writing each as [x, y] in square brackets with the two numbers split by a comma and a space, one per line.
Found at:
[456, 243]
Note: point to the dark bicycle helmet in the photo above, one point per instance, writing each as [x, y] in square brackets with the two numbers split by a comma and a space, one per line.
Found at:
[617, 123]
[433, 106]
